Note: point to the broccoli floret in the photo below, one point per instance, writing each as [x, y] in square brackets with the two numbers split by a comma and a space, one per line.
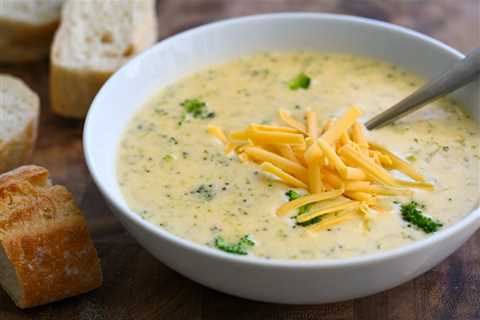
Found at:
[304, 209]
[412, 158]
[195, 108]
[241, 247]
[292, 195]
[206, 192]
[309, 222]
[168, 158]
[301, 81]
[411, 213]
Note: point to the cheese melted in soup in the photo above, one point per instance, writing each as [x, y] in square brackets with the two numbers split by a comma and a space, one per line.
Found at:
[176, 175]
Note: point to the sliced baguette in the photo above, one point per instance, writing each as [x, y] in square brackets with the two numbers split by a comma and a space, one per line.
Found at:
[94, 39]
[27, 28]
[46, 253]
[19, 110]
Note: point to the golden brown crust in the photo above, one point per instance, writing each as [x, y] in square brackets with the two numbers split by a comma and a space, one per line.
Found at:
[54, 265]
[45, 238]
[33, 174]
[22, 43]
[72, 91]
[21, 32]
[20, 53]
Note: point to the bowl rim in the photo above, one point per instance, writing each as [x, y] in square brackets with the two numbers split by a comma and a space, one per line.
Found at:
[210, 252]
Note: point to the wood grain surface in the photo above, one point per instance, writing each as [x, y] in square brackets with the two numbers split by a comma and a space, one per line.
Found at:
[137, 286]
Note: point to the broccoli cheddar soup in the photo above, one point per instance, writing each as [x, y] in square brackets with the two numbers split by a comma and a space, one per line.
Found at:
[267, 156]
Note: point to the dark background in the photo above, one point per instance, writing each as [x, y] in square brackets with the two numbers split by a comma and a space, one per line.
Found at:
[137, 286]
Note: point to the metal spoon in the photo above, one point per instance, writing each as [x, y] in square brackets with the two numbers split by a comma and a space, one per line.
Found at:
[459, 74]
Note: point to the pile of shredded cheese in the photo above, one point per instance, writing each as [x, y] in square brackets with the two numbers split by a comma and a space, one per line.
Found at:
[343, 172]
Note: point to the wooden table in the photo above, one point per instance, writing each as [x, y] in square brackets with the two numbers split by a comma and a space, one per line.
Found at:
[137, 286]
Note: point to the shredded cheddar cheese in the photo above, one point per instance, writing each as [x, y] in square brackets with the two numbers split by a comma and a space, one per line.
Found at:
[398, 163]
[238, 136]
[285, 177]
[355, 174]
[357, 185]
[333, 179]
[344, 173]
[286, 151]
[265, 127]
[358, 136]
[341, 125]
[332, 157]
[218, 133]
[312, 198]
[342, 217]
[312, 124]
[289, 166]
[335, 207]
[274, 137]
[285, 117]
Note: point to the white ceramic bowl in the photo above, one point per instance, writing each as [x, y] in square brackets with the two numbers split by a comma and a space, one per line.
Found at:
[281, 281]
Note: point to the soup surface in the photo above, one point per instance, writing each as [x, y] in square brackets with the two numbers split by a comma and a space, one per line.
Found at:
[176, 175]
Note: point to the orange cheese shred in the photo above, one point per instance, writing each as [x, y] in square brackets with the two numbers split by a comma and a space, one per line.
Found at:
[341, 125]
[397, 163]
[357, 134]
[332, 178]
[356, 185]
[288, 166]
[349, 205]
[286, 151]
[312, 124]
[341, 218]
[315, 197]
[285, 117]
[282, 175]
[265, 127]
[366, 164]
[332, 157]
[275, 137]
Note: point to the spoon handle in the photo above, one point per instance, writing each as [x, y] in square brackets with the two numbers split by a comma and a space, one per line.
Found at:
[456, 76]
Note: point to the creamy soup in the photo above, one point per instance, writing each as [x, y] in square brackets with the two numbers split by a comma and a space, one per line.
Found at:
[175, 175]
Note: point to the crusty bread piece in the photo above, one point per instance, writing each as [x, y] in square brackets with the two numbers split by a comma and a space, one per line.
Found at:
[19, 113]
[23, 53]
[94, 39]
[27, 28]
[46, 253]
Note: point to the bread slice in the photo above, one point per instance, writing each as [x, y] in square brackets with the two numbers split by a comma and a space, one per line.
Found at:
[94, 39]
[46, 253]
[27, 28]
[19, 110]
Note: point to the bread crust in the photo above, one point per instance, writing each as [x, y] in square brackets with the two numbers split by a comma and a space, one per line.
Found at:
[14, 53]
[22, 32]
[18, 150]
[45, 238]
[33, 174]
[22, 43]
[72, 91]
